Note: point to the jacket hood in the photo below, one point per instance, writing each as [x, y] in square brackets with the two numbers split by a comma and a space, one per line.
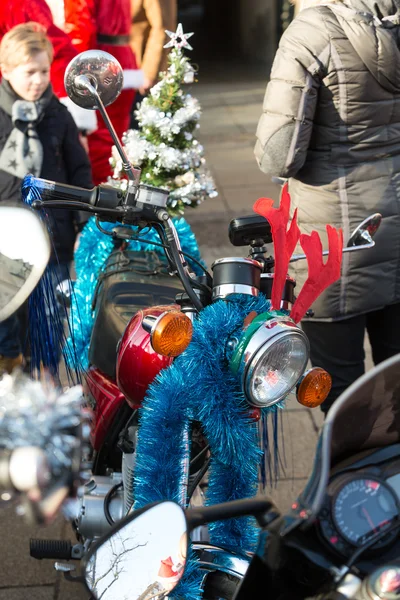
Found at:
[372, 27]
[377, 8]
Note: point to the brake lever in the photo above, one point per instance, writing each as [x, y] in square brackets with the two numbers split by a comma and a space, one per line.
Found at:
[38, 204]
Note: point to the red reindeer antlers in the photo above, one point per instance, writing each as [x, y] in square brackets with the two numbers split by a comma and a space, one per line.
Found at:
[284, 240]
[320, 275]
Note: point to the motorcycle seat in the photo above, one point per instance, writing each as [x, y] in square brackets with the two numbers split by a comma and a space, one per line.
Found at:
[129, 282]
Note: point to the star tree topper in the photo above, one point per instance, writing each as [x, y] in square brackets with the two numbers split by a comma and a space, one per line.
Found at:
[179, 39]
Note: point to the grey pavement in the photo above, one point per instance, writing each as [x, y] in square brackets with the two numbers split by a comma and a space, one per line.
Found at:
[231, 107]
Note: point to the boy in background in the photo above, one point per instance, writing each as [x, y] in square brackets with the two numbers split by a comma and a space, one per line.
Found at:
[15, 12]
[38, 136]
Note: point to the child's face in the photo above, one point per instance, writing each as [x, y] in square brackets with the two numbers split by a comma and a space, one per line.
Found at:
[30, 79]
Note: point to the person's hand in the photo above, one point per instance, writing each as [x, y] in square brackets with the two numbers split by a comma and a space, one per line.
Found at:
[147, 84]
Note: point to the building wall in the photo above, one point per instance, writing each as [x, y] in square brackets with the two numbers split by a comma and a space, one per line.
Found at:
[259, 29]
[248, 29]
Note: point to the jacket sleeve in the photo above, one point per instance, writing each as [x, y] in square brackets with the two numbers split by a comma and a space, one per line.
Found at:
[77, 164]
[161, 15]
[285, 127]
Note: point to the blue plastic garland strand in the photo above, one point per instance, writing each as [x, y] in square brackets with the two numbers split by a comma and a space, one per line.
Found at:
[199, 386]
[93, 251]
[45, 334]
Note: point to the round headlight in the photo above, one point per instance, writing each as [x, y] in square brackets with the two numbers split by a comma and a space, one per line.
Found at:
[274, 360]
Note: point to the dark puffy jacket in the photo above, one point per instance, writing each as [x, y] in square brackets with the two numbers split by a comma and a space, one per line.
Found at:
[331, 123]
[64, 160]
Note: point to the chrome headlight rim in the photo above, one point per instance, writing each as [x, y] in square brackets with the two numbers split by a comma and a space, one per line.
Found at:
[261, 342]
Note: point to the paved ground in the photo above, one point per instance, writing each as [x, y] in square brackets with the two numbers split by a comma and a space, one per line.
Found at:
[230, 112]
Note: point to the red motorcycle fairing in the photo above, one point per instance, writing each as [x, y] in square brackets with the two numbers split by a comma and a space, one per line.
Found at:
[106, 400]
[137, 363]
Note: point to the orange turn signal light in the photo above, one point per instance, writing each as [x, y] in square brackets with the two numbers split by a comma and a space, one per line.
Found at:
[171, 334]
[314, 387]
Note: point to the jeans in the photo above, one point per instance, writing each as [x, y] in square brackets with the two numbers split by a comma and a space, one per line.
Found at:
[338, 347]
[15, 327]
[10, 344]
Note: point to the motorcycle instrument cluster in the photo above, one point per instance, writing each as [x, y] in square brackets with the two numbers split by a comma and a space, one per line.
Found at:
[235, 276]
[357, 508]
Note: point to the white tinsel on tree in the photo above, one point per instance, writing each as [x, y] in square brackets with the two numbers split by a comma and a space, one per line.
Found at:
[165, 147]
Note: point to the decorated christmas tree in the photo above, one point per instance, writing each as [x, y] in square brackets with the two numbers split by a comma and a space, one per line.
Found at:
[165, 146]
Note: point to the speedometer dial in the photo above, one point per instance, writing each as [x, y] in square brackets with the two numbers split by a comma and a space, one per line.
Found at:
[362, 508]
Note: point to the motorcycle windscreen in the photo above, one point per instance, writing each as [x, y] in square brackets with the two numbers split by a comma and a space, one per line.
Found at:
[370, 418]
[366, 416]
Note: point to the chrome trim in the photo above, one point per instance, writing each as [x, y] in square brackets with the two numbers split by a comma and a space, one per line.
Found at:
[268, 331]
[190, 313]
[236, 259]
[224, 290]
[271, 276]
[148, 323]
[213, 558]
[261, 341]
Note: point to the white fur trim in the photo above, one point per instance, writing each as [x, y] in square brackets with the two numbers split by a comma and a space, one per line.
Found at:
[57, 10]
[84, 118]
[133, 79]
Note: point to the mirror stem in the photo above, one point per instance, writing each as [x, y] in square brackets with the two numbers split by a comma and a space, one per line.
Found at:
[297, 257]
[134, 174]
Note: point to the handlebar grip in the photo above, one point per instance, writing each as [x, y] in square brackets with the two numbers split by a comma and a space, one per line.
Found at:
[101, 196]
[61, 191]
[200, 515]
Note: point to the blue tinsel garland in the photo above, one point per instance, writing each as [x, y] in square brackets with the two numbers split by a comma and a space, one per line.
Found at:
[90, 257]
[45, 319]
[199, 386]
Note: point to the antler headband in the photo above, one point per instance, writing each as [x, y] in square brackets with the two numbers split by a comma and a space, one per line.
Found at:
[320, 275]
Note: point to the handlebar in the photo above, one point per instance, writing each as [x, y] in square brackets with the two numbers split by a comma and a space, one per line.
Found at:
[137, 205]
[101, 196]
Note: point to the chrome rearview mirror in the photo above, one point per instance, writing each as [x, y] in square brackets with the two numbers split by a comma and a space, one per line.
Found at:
[23, 257]
[360, 239]
[92, 75]
[142, 558]
[363, 234]
[93, 80]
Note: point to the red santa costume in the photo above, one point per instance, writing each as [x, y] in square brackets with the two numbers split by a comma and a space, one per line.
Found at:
[105, 25]
[14, 12]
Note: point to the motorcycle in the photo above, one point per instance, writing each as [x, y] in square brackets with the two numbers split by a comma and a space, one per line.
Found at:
[41, 431]
[339, 540]
[244, 356]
